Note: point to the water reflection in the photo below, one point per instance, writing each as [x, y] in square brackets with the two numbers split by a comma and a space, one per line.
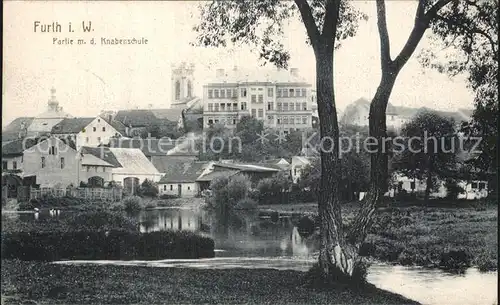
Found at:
[249, 235]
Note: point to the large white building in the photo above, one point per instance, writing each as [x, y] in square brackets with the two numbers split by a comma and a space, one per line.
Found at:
[281, 99]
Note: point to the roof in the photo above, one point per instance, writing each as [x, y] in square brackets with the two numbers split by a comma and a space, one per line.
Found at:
[182, 172]
[162, 162]
[103, 153]
[17, 147]
[211, 176]
[247, 167]
[150, 146]
[136, 117]
[71, 125]
[89, 159]
[17, 124]
[257, 75]
[133, 161]
[171, 114]
[302, 160]
[43, 124]
[117, 125]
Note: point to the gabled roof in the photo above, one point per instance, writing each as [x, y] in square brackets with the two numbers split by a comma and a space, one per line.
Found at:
[89, 159]
[71, 125]
[136, 117]
[171, 114]
[103, 153]
[247, 167]
[17, 124]
[184, 172]
[162, 163]
[117, 125]
[150, 147]
[17, 147]
[133, 161]
[211, 176]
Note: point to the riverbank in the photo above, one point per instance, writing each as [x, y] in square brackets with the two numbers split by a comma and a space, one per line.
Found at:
[438, 234]
[43, 283]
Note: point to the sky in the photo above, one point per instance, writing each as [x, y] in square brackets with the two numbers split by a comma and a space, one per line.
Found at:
[91, 78]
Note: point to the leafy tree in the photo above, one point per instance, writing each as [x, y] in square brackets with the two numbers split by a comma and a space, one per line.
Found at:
[430, 151]
[271, 190]
[471, 28]
[148, 188]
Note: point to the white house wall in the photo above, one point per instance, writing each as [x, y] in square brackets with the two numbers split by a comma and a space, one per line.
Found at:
[188, 190]
[94, 138]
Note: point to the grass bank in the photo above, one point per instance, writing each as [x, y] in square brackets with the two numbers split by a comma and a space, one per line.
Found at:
[438, 234]
[43, 283]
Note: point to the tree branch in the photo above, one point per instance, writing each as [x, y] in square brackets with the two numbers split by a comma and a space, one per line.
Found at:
[309, 23]
[385, 49]
[432, 12]
[331, 20]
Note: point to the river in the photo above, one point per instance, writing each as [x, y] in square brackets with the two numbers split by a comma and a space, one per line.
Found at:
[275, 242]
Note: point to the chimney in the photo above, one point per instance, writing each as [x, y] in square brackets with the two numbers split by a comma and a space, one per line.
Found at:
[110, 117]
[219, 73]
[294, 72]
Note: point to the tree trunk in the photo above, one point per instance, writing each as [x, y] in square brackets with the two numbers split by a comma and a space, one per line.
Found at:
[379, 161]
[335, 254]
[428, 187]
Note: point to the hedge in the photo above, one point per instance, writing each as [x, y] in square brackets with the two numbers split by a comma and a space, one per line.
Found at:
[100, 245]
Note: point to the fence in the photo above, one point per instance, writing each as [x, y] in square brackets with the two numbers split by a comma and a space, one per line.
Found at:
[98, 194]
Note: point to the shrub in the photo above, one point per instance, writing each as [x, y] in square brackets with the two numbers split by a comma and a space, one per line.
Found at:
[148, 189]
[50, 246]
[452, 188]
[132, 203]
[455, 260]
[246, 204]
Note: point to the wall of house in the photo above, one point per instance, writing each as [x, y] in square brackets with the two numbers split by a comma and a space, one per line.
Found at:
[119, 177]
[188, 190]
[51, 173]
[475, 189]
[9, 162]
[87, 171]
[97, 132]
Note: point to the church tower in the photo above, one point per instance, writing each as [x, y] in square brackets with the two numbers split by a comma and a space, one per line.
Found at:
[182, 84]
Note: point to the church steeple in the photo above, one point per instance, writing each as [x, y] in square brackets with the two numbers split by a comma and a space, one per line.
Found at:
[53, 104]
[182, 82]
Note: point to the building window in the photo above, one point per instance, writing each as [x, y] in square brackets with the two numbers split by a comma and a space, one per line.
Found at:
[210, 107]
[253, 98]
[304, 120]
[270, 106]
[482, 185]
[278, 93]
[304, 106]
[228, 93]
[243, 106]
[62, 163]
[4, 165]
[216, 107]
[278, 121]
[52, 150]
[297, 106]
[412, 185]
[270, 92]
[253, 112]
[164, 187]
[235, 106]
[86, 139]
[216, 93]
[303, 92]
[474, 185]
[285, 120]
[189, 188]
[177, 90]
[261, 98]
[210, 122]
[261, 113]
[292, 92]
[14, 164]
[234, 121]
[297, 120]
[104, 129]
[222, 107]
[43, 162]
[210, 95]
[103, 169]
[292, 106]
[98, 120]
[243, 92]
[223, 93]
[99, 139]
[235, 93]
[285, 93]
[278, 107]
[285, 106]
[94, 128]
[171, 187]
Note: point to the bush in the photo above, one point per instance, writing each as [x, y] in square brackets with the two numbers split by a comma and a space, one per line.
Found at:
[108, 245]
[132, 203]
[455, 260]
[148, 189]
[452, 188]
